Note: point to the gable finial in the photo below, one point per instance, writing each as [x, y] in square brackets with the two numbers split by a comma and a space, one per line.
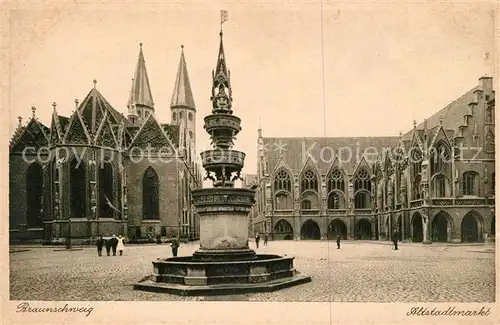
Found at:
[33, 110]
[440, 119]
[414, 124]
[140, 45]
[95, 83]
[20, 118]
[76, 103]
[182, 48]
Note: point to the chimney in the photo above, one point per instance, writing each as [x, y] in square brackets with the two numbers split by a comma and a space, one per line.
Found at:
[486, 85]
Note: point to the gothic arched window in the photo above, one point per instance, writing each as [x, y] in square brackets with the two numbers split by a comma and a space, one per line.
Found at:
[309, 181]
[336, 181]
[469, 183]
[336, 190]
[440, 159]
[78, 189]
[150, 195]
[283, 190]
[362, 190]
[440, 186]
[106, 196]
[336, 200]
[34, 195]
[282, 181]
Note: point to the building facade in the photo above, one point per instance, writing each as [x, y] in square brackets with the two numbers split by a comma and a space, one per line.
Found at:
[436, 183]
[98, 172]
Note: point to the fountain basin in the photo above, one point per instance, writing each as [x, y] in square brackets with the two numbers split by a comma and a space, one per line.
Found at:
[188, 276]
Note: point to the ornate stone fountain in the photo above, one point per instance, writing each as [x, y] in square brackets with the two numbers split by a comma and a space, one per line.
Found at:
[224, 263]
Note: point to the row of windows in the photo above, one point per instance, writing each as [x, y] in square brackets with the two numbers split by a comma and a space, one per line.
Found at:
[79, 191]
[362, 188]
[181, 116]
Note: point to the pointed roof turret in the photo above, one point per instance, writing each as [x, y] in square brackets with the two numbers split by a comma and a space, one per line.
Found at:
[221, 68]
[221, 84]
[183, 95]
[140, 94]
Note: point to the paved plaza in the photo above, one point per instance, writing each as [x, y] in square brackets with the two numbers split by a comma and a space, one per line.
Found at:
[359, 271]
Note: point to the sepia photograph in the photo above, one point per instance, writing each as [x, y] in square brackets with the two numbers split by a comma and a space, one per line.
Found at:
[329, 152]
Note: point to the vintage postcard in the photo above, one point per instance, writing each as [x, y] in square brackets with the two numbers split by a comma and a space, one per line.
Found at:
[249, 162]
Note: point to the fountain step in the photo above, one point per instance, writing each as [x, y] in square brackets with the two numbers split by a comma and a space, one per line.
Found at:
[223, 288]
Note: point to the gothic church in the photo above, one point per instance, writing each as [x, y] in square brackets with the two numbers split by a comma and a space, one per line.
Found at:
[98, 172]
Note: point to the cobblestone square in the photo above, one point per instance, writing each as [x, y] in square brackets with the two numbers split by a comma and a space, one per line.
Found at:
[358, 272]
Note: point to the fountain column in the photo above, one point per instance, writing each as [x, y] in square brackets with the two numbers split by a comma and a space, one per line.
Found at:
[223, 209]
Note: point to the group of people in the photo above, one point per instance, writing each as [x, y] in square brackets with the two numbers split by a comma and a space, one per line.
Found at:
[257, 240]
[112, 244]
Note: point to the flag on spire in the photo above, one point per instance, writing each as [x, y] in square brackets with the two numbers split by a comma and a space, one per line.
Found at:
[223, 16]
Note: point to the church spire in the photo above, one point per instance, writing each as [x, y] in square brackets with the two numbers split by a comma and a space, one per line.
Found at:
[140, 94]
[182, 96]
[221, 86]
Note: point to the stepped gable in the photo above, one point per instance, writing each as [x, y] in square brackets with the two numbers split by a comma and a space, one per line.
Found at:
[452, 114]
[295, 151]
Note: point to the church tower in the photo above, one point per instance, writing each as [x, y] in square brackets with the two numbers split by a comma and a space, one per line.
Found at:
[140, 104]
[182, 105]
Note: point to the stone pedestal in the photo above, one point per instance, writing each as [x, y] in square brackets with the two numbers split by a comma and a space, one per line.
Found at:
[223, 216]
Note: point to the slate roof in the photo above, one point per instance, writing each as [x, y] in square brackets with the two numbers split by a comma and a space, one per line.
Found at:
[452, 114]
[321, 150]
[182, 95]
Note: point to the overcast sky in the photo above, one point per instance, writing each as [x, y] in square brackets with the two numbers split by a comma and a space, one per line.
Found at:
[373, 68]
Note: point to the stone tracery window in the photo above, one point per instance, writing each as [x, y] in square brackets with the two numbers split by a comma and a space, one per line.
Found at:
[336, 190]
[362, 190]
[283, 190]
[150, 192]
[309, 181]
[440, 185]
[416, 168]
[282, 181]
[469, 183]
[309, 190]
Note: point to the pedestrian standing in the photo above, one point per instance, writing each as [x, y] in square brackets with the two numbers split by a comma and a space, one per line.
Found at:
[175, 247]
[265, 239]
[338, 241]
[257, 239]
[120, 247]
[107, 242]
[114, 243]
[99, 243]
[395, 238]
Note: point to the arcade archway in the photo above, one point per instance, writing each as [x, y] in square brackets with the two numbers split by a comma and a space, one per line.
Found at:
[471, 228]
[364, 229]
[310, 230]
[337, 226]
[283, 230]
[439, 227]
[417, 233]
